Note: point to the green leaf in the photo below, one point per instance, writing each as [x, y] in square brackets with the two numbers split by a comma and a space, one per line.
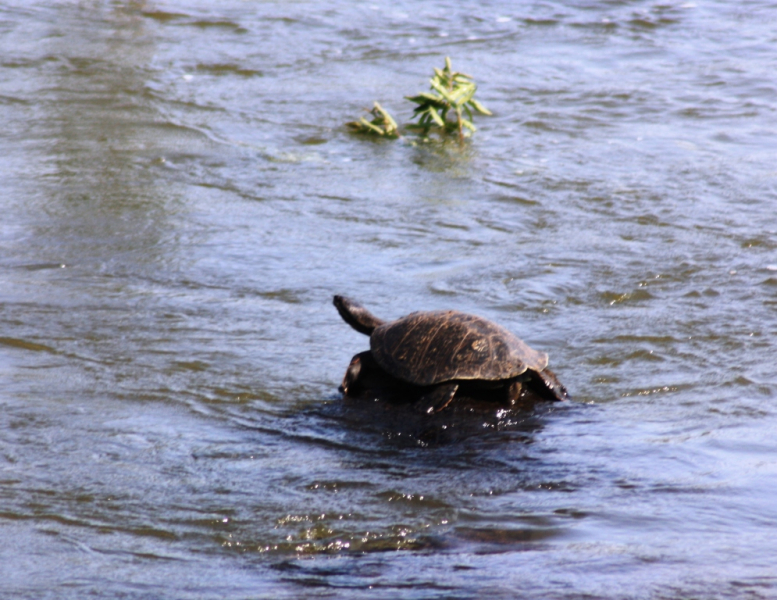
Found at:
[463, 95]
[479, 107]
[442, 91]
[450, 91]
[382, 115]
[431, 97]
[427, 99]
[437, 118]
[371, 126]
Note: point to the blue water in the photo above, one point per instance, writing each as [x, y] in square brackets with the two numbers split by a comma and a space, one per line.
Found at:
[181, 199]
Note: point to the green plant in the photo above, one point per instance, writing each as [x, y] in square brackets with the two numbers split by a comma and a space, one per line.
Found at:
[382, 123]
[452, 92]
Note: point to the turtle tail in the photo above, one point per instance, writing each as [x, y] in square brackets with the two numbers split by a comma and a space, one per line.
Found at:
[356, 315]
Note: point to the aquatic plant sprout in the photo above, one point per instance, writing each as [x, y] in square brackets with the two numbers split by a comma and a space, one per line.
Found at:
[382, 123]
[452, 93]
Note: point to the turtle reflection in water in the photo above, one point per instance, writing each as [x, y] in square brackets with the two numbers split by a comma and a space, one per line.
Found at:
[432, 357]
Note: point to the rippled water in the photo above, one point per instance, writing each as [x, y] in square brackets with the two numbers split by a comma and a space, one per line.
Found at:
[181, 201]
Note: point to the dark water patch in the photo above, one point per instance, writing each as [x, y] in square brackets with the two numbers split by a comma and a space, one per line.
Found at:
[616, 298]
[489, 540]
[26, 345]
[226, 24]
[540, 22]
[163, 16]
[43, 266]
[228, 69]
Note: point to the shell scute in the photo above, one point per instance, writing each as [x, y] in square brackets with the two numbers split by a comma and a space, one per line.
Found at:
[427, 348]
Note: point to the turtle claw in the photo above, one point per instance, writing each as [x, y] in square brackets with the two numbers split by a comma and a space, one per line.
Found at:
[437, 399]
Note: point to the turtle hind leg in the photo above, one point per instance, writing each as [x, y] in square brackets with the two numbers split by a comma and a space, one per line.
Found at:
[437, 399]
[364, 379]
[522, 393]
[355, 374]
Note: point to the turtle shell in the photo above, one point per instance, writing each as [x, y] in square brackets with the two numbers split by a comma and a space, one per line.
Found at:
[427, 348]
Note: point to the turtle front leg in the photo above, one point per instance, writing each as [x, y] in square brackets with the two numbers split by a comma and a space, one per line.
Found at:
[437, 399]
[513, 391]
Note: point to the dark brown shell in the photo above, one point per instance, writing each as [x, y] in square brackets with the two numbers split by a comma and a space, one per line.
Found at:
[426, 348]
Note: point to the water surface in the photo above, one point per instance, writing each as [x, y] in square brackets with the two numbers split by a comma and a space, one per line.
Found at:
[181, 200]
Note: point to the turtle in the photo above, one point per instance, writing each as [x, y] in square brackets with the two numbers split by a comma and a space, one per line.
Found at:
[442, 351]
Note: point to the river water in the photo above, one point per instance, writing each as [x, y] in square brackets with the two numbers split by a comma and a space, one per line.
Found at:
[181, 200]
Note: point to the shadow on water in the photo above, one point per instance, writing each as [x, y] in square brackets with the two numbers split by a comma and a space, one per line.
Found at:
[400, 488]
[403, 424]
[391, 479]
[447, 155]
